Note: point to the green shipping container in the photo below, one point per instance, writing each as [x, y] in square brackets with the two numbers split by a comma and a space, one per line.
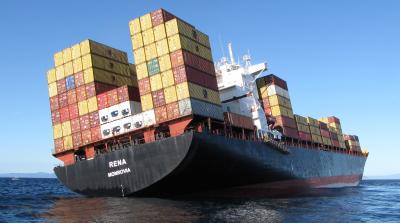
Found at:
[153, 66]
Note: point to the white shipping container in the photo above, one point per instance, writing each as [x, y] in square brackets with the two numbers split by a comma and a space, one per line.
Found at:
[137, 121]
[105, 131]
[129, 108]
[149, 118]
[104, 116]
[114, 112]
[116, 127]
[126, 124]
[274, 89]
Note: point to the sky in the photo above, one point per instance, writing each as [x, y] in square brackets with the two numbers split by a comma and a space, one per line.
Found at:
[339, 58]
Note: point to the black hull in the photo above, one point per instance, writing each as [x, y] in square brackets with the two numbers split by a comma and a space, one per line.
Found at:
[198, 162]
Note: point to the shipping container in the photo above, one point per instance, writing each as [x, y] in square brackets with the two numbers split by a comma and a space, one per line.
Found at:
[68, 69]
[158, 98]
[75, 125]
[134, 26]
[281, 111]
[70, 82]
[160, 16]
[81, 93]
[305, 136]
[165, 63]
[84, 122]
[60, 72]
[147, 102]
[325, 133]
[326, 141]
[148, 37]
[301, 119]
[144, 86]
[290, 132]
[112, 97]
[67, 55]
[59, 145]
[149, 118]
[61, 88]
[279, 100]
[77, 65]
[57, 131]
[92, 47]
[173, 110]
[167, 78]
[79, 79]
[202, 93]
[335, 143]
[139, 55]
[238, 120]
[153, 67]
[150, 51]
[94, 119]
[181, 57]
[176, 26]
[68, 144]
[54, 103]
[145, 22]
[77, 139]
[182, 90]
[312, 122]
[86, 137]
[53, 89]
[323, 126]
[95, 134]
[190, 106]
[63, 100]
[92, 104]
[161, 114]
[102, 76]
[141, 71]
[58, 59]
[162, 47]
[178, 42]
[170, 94]
[285, 121]
[303, 128]
[104, 115]
[95, 88]
[66, 128]
[276, 90]
[64, 114]
[94, 61]
[159, 32]
[127, 93]
[73, 111]
[186, 73]
[83, 107]
[315, 130]
[271, 80]
[105, 131]
[114, 113]
[128, 108]
[76, 51]
[71, 96]
[137, 41]
[316, 138]
[51, 76]
[55, 117]
[155, 82]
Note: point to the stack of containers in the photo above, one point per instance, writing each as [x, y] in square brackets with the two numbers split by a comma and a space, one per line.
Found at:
[335, 130]
[174, 67]
[82, 72]
[238, 120]
[326, 136]
[352, 142]
[274, 94]
[314, 130]
[303, 127]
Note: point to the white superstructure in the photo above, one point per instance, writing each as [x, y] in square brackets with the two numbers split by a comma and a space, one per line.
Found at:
[238, 90]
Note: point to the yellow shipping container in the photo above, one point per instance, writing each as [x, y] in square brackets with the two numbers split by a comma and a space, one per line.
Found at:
[303, 128]
[182, 90]
[145, 22]
[51, 76]
[335, 125]
[147, 102]
[203, 39]
[68, 68]
[312, 121]
[94, 74]
[60, 72]
[279, 100]
[57, 131]
[202, 93]
[76, 51]
[134, 26]
[58, 59]
[92, 104]
[155, 82]
[68, 142]
[301, 119]
[331, 129]
[141, 71]
[170, 94]
[148, 37]
[176, 26]
[263, 92]
[164, 62]
[83, 107]
[162, 47]
[167, 78]
[137, 41]
[77, 64]
[139, 55]
[91, 60]
[279, 110]
[326, 141]
[67, 55]
[150, 51]
[159, 32]
[66, 128]
[315, 130]
[53, 89]
[316, 138]
[90, 46]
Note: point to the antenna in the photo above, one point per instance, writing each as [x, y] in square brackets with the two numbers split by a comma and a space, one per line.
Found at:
[231, 53]
[220, 45]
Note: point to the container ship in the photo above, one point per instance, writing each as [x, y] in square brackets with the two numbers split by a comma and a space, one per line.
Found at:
[176, 123]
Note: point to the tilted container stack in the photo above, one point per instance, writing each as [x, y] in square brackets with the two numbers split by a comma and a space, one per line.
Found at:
[303, 127]
[326, 136]
[314, 130]
[352, 142]
[174, 67]
[273, 92]
[335, 130]
[82, 73]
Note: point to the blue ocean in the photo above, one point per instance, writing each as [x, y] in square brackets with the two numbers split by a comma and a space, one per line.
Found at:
[46, 200]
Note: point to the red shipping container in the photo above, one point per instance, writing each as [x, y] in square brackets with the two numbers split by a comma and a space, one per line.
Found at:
[75, 125]
[305, 136]
[144, 86]
[86, 137]
[335, 143]
[267, 111]
[285, 122]
[73, 111]
[186, 73]
[265, 103]
[96, 88]
[161, 114]
[54, 103]
[127, 93]
[112, 97]
[158, 98]
[95, 134]
[59, 145]
[290, 132]
[81, 93]
[94, 119]
[173, 110]
[325, 133]
[102, 101]
[324, 126]
[63, 100]
[85, 122]
[238, 120]
[71, 95]
[64, 114]
[55, 117]
[333, 119]
[334, 136]
[61, 87]
[77, 139]
[160, 16]
[181, 57]
[273, 79]
[79, 79]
